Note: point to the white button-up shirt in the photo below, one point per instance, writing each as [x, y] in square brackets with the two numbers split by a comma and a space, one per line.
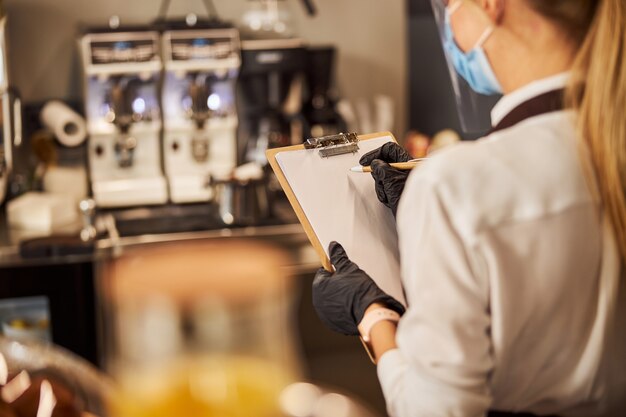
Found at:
[512, 276]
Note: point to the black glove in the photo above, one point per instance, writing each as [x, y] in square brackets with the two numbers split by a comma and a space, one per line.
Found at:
[341, 298]
[389, 181]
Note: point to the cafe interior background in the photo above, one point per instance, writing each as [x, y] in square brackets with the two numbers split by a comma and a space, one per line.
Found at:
[199, 222]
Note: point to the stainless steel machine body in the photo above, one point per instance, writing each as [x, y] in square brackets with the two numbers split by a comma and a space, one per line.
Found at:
[122, 74]
[199, 109]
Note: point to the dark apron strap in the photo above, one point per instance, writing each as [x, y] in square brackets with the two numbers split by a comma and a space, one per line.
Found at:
[504, 414]
[542, 104]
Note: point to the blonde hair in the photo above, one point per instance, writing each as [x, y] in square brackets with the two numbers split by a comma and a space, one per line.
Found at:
[598, 93]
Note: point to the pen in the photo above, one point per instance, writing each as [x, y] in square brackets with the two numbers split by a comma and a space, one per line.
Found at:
[403, 166]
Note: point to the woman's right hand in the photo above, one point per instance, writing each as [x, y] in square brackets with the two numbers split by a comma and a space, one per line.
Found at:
[389, 181]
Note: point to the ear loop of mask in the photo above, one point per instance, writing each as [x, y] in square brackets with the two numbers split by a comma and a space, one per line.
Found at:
[454, 7]
[485, 35]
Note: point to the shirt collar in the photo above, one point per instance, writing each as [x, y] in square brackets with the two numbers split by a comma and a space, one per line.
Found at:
[510, 101]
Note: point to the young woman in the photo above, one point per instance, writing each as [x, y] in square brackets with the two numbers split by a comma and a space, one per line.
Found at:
[513, 246]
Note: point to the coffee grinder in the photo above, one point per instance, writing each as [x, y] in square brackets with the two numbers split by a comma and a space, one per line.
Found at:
[199, 109]
[122, 70]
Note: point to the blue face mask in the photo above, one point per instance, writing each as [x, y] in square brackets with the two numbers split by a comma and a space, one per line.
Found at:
[473, 66]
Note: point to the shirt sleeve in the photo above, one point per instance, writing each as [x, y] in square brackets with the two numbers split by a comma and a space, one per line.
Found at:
[443, 359]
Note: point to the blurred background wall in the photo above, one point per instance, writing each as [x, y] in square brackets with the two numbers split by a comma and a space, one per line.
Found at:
[370, 36]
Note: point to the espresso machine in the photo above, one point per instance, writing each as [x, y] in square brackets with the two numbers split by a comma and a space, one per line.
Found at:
[122, 70]
[199, 108]
[320, 103]
[270, 93]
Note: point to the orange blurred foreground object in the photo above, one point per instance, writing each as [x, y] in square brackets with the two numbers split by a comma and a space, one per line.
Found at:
[199, 329]
[232, 270]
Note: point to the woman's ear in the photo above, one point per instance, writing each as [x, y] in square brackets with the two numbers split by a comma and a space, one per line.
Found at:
[494, 9]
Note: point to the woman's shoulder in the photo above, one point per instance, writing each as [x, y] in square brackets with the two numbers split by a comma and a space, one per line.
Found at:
[522, 147]
[524, 172]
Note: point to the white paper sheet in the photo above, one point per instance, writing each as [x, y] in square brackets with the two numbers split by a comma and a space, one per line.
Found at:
[342, 206]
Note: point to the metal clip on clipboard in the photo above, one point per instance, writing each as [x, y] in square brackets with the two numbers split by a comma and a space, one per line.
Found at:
[333, 145]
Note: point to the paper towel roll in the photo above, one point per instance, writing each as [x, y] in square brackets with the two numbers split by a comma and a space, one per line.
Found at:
[67, 125]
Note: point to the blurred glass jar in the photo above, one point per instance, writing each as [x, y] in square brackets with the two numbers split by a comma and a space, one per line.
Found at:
[199, 329]
[267, 19]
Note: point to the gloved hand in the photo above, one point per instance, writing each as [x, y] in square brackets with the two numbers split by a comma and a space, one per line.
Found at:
[389, 181]
[341, 298]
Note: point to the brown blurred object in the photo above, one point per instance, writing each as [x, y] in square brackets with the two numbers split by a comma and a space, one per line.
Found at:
[44, 148]
[6, 410]
[417, 144]
[80, 389]
[67, 403]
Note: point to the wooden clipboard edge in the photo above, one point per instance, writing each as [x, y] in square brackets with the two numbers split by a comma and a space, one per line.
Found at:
[308, 229]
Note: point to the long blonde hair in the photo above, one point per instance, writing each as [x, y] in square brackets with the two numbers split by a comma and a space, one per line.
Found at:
[598, 93]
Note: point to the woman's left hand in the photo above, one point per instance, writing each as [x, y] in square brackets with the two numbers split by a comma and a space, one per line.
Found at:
[341, 298]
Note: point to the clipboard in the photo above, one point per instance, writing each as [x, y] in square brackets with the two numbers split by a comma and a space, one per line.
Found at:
[338, 154]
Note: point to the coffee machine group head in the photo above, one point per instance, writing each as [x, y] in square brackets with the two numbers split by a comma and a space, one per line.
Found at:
[122, 72]
[200, 114]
